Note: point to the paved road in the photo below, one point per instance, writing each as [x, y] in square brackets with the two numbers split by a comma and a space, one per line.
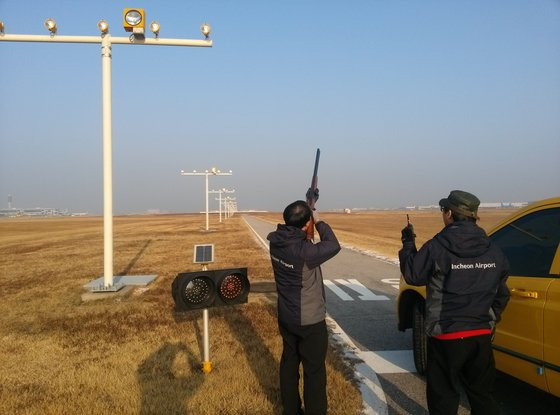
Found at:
[361, 298]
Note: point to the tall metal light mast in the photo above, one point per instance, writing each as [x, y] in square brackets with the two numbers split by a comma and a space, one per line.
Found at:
[134, 22]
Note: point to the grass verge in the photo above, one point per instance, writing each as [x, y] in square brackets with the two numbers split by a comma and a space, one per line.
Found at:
[134, 354]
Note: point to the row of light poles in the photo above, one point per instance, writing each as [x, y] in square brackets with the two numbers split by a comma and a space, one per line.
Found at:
[212, 172]
[230, 206]
[219, 199]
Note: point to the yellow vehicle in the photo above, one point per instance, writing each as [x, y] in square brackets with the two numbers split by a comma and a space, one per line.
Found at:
[527, 340]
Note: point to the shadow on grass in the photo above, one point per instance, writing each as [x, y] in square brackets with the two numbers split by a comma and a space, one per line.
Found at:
[136, 258]
[164, 389]
[193, 317]
[261, 361]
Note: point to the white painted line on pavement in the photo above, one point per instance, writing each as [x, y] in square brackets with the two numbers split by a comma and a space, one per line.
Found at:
[335, 289]
[376, 255]
[375, 402]
[390, 361]
[365, 294]
[393, 282]
[261, 240]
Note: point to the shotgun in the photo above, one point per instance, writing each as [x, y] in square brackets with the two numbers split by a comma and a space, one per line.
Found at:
[313, 194]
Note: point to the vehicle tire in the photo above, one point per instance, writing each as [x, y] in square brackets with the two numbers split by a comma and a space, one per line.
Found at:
[419, 338]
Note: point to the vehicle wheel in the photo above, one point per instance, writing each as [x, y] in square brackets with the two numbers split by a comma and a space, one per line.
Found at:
[419, 338]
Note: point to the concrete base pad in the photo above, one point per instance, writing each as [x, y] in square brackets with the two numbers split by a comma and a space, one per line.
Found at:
[122, 285]
[119, 280]
[91, 296]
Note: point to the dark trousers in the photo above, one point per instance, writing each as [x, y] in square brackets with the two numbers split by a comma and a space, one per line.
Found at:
[306, 345]
[468, 362]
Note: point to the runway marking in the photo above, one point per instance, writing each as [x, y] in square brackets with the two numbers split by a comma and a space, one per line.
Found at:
[259, 238]
[373, 395]
[389, 361]
[393, 282]
[335, 289]
[365, 293]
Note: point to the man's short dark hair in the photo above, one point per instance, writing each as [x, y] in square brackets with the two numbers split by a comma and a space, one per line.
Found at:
[297, 214]
[457, 217]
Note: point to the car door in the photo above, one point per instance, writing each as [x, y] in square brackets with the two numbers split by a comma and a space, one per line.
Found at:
[552, 332]
[530, 243]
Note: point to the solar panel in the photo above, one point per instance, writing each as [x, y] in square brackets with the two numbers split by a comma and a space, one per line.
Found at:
[203, 254]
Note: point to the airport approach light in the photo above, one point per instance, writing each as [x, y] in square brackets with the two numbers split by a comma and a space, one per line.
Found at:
[220, 191]
[230, 206]
[214, 171]
[154, 27]
[50, 24]
[134, 21]
[103, 26]
[205, 29]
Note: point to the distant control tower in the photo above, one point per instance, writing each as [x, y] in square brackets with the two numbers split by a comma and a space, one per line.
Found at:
[9, 201]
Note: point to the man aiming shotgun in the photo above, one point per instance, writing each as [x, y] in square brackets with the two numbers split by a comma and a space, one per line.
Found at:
[296, 263]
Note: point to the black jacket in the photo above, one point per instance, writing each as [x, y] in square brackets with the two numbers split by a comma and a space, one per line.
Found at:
[465, 277]
[296, 264]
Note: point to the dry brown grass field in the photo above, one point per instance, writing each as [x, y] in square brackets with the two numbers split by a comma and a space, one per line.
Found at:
[133, 354]
[380, 231]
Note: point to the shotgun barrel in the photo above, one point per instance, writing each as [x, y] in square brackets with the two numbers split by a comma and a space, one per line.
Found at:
[312, 193]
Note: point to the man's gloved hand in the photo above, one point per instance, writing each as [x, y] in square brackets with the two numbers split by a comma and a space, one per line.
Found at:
[312, 195]
[408, 235]
[315, 216]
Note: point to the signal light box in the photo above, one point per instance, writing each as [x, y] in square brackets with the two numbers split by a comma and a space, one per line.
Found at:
[204, 289]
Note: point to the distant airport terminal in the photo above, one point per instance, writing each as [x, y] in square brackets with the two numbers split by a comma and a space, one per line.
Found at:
[483, 205]
[487, 205]
[39, 211]
[14, 212]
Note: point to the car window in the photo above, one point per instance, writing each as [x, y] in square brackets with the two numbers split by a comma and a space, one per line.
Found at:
[530, 242]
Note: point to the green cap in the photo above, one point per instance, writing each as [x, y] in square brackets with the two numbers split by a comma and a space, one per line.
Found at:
[461, 202]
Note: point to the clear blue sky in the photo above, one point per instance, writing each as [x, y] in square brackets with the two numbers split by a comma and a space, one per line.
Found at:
[406, 99]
